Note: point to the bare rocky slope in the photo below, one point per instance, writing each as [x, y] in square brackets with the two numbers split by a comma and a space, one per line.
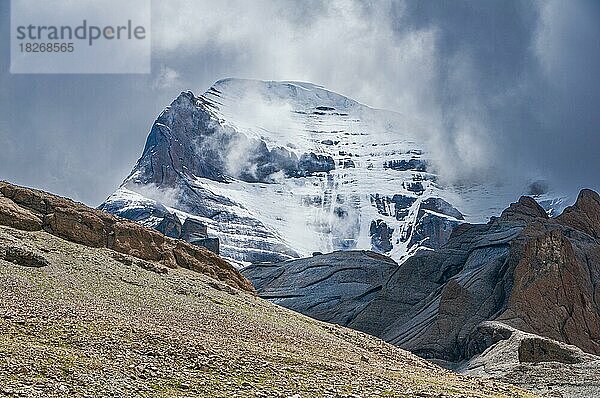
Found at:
[88, 320]
[523, 270]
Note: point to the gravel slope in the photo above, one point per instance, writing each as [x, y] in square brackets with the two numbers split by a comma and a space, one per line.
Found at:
[85, 322]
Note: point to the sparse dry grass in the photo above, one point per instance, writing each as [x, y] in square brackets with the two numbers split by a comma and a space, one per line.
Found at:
[90, 326]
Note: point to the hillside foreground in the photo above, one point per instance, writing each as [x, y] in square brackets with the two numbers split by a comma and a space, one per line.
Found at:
[81, 321]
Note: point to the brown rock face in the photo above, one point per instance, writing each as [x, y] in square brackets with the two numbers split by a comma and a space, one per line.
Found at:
[524, 210]
[141, 242]
[78, 225]
[557, 280]
[17, 217]
[31, 210]
[553, 294]
[584, 215]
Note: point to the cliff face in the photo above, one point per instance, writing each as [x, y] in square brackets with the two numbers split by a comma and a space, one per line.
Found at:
[557, 276]
[527, 271]
[33, 210]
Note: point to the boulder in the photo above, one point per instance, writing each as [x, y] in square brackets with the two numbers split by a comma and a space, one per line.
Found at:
[24, 257]
[535, 349]
[211, 244]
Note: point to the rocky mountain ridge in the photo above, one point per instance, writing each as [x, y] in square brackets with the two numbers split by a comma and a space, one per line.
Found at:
[33, 210]
[523, 270]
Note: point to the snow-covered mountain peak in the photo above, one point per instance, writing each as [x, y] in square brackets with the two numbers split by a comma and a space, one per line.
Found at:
[278, 170]
[301, 94]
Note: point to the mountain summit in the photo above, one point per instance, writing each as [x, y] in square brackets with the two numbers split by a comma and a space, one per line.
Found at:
[272, 171]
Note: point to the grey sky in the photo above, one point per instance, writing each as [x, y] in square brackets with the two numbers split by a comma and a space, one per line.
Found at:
[508, 88]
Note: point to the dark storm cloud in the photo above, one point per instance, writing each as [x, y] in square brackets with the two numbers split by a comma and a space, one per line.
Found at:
[527, 75]
[508, 89]
[76, 135]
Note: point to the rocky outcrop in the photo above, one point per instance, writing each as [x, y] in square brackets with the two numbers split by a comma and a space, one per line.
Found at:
[547, 367]
[397, 205]
[193, 230]
[23, 257]
[553, 292]
[196, 233]
[405, 165]
[440, 206]
[414, 186]
[31, 210]
[536, 349]
[584, 215]
[533, 273]
[17, 217]
[524, 210]
[310, 163]
[524, 347]
[381, 236]
[170, 226]
[435, 221]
